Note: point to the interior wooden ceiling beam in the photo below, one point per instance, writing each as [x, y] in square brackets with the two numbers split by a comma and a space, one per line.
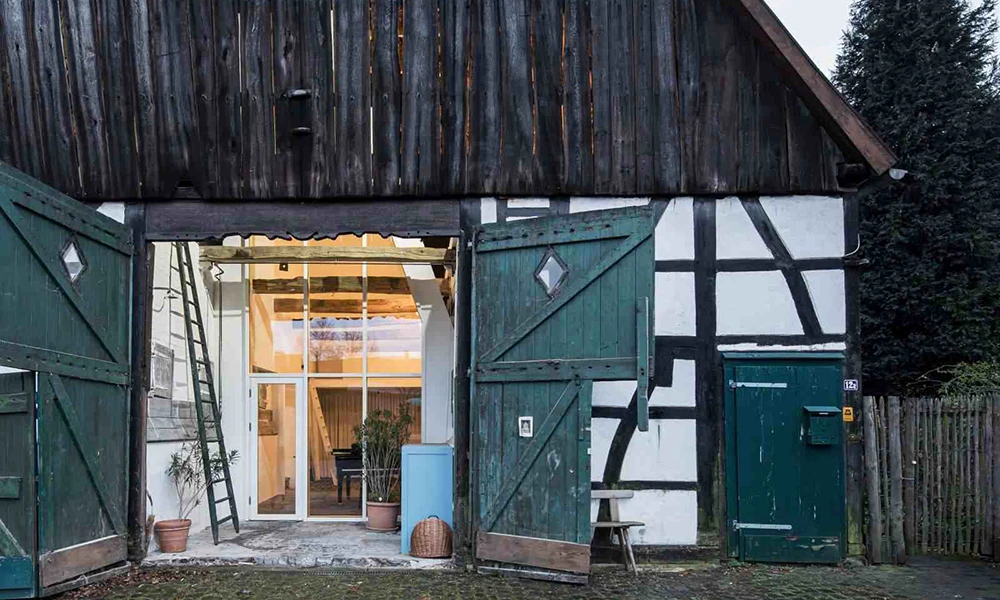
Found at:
[326, 307]
[325, 254]
[329, 285]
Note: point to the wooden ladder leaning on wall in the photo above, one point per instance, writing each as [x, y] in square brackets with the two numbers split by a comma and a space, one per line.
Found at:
[216, 464]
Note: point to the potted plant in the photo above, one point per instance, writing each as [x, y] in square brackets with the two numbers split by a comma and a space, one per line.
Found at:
[187, 474]
[382, 436]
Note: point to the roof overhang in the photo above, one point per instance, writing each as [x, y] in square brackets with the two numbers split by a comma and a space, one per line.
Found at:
[855, 138]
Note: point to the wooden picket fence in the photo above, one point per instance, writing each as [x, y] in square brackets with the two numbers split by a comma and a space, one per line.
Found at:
[932, 470]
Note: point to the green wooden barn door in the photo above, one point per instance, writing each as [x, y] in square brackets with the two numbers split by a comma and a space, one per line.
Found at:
[787, 500]
[64, 313]
[559, 303]
[17, 489]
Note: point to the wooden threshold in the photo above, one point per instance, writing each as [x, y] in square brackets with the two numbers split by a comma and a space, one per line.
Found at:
[325, 254]
[533, 552]
[67, 563]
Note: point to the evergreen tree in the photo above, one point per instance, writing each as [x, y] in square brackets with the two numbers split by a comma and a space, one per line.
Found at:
[923, 74]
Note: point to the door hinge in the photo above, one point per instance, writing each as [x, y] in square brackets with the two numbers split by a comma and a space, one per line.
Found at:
[756, 384]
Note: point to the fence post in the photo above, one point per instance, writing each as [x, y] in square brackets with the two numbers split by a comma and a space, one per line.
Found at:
[874, 486]
[898, 547]
[996, 477]
[910, 475]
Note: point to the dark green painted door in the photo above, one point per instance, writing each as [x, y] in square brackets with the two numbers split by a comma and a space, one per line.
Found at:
[559, 303]
[786, 442]
[17, 489]
[64, 313]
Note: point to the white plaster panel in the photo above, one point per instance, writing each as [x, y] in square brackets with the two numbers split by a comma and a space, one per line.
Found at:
[613, 393]
[488, 211]
[165, 504]
[667, 452]
[602, 431]
[578, 205]
[528, 203]
[114, 210]
[736, 236]
[10, 370]
[755, 303]
[675, 304]
[829, 297]
[671, 517]
[675, 231]
[681, 393]
[810, 226]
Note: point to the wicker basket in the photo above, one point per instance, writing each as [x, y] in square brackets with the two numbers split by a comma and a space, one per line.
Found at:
[431, 538]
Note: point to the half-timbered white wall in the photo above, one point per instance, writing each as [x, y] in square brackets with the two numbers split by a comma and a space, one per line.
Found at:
[730, 277]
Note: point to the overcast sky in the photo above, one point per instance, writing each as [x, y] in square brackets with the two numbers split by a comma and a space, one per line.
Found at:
[817, 25]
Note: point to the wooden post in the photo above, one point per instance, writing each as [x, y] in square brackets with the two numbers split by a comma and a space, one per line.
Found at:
[898, 548]
[464, 509]
[874, 484]
[988, 442]
[142, 323]
[910, 474]
[995, 498]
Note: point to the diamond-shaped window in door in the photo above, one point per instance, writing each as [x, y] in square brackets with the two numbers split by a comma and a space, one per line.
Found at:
[551, 272]
[73, 260]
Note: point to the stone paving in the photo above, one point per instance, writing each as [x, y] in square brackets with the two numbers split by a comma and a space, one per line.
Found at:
[294, 544]
[925, 578]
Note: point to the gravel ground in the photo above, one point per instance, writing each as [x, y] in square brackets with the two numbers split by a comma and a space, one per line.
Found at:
[925, 578]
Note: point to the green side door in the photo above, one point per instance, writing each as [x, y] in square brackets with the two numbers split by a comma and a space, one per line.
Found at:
[559, 302]
[786, 460]
[17, 490]
[65, 316]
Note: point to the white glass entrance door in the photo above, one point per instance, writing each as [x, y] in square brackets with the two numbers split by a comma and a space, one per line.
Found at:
[277, 490]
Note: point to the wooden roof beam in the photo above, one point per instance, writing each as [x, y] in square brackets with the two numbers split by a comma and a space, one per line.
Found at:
[843, 123]
[326, 254]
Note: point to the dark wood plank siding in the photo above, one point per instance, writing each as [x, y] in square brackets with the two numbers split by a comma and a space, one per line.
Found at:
[421, 134]
[258, 101]
[130, 98]
[386, 97]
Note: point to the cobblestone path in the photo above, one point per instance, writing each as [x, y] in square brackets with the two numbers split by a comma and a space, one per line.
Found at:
[926, 578]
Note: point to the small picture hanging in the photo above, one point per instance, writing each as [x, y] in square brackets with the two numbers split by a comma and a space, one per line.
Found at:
[526, 426]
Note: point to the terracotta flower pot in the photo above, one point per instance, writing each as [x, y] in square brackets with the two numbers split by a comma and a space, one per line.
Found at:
[383, 516]
[172, 535]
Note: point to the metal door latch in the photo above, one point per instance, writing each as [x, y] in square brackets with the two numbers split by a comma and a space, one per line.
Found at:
[756, 384]
[762, 526]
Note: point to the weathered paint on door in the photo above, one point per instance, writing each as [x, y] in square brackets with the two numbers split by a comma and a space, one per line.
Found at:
[785, 455]
[17, 490]
[559, 303]
[64, 301]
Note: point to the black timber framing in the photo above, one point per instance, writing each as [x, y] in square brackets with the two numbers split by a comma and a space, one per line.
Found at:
[852, 370]
[141, 335]
[470, 218]
[203, 220]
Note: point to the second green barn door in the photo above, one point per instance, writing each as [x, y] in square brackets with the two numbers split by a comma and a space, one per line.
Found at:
[559, 303]
[785, 481]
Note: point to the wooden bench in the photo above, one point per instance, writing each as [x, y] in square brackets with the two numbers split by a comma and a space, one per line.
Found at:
[616, 525]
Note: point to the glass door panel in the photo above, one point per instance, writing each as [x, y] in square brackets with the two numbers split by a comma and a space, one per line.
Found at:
[396, 394]
[277, 412]
[336, 294]
[277, 306]
[336, 407]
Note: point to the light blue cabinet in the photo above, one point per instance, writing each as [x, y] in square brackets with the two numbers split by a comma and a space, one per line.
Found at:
[428, 486]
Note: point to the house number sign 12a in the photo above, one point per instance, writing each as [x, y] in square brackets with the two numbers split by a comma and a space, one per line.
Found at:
[851, 385]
